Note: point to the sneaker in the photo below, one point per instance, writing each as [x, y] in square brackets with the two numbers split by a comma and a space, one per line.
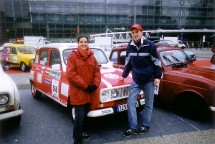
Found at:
[144, 129]
[85, 136]
[130, 132]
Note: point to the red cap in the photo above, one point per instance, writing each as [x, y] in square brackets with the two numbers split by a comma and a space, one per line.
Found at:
[136, 26]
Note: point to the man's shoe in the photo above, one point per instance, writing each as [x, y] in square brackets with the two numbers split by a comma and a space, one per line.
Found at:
[144, 129]
[130, 132]
[85, 136]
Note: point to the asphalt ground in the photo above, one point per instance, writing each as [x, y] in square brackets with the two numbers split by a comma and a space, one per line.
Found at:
[199, 137]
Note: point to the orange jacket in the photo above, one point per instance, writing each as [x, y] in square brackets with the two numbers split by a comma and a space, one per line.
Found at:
[81, 73]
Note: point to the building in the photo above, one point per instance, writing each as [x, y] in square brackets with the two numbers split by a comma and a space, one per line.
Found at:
[66, 19]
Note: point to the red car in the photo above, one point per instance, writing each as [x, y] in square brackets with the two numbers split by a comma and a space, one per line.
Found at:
[190, 89]
[48, 77]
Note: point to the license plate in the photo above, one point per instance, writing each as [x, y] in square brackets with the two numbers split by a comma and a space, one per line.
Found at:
[121, 108]
[124, 107]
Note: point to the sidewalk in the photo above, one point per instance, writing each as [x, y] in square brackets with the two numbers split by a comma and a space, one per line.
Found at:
[199, 137]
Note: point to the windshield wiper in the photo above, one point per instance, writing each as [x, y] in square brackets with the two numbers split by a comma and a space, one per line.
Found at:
[172, 62]
[175, 58]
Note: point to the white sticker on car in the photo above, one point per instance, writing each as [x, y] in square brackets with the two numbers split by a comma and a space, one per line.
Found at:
[64, 89]
[55, 88]
[39, 78]
[15, 59]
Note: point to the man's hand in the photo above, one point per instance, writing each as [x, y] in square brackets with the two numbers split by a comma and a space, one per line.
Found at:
[156, 81]
[121, 78]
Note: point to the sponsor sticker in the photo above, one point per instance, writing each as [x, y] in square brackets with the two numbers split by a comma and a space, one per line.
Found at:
[55, 75]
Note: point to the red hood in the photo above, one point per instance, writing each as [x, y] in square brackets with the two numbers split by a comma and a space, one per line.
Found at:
[110, 78]
[197, 73]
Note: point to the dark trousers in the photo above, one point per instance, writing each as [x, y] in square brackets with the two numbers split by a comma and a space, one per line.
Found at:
[80, 113]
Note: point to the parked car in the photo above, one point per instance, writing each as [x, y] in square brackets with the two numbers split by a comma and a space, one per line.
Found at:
[18, 55]
[10, 109]
[180, 44]
[169, 43]
[48, 77]
[191, 90]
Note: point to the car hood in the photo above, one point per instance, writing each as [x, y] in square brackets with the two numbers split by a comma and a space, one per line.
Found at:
[6, 84]
[198, 73]
[110, 77]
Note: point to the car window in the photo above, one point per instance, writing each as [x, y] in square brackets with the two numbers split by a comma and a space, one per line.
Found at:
[6, 50]
[122, 56]
[55, 57]
[98, 53]
[113, 57]
[26, 49]
[100, 56]
[44, 57]
[13, 51]
[171, 57]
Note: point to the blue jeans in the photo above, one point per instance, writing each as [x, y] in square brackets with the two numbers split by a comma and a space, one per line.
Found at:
[134, 91]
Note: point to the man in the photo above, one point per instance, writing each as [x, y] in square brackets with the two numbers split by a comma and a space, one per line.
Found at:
[142, 59]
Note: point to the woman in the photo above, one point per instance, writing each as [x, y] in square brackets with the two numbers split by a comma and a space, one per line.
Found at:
[84, 78]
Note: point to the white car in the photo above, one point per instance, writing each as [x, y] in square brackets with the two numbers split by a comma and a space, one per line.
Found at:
[10, 109]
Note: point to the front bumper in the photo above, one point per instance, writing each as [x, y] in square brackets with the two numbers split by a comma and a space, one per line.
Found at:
[111, 110]
[11, 114]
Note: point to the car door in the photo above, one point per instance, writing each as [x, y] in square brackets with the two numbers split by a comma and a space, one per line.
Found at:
[39, 68]
[13, 55]
[52, 77]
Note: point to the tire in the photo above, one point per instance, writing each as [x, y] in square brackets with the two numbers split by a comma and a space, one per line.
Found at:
[35, 93]
[23, 66]
[192, 106]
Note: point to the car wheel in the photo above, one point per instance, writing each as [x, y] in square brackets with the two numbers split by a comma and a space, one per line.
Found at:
[23, 66]
[192, 106]
[35, 93]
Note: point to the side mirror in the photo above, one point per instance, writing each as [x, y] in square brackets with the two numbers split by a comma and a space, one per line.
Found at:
[56, 67]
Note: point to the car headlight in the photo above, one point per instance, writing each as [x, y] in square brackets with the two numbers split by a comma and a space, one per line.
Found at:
[105, 96]
[4, 99]
[112, 94]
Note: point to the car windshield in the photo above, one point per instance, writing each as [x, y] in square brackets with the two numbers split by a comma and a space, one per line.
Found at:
[26, 49]
[173, 57]
[98, 53]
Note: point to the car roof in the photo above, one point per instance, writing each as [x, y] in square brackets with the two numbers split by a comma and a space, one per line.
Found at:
[62, 46]
[18, 45]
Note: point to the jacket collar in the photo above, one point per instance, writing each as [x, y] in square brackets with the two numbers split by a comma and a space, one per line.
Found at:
[143, 42]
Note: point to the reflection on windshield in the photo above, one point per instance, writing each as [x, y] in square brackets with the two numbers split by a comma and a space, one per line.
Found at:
[26, 49]
[99, 55]
[171, 57]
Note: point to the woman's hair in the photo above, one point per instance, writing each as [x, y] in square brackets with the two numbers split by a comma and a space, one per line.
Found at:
[82, 36]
